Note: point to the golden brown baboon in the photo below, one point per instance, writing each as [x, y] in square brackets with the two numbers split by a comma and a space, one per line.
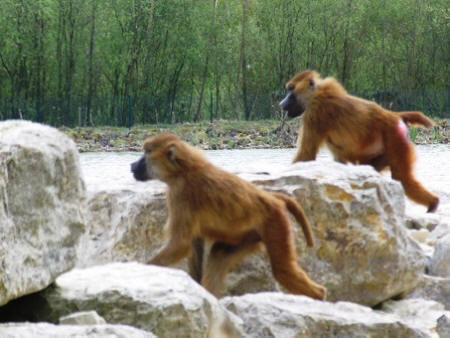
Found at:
[206, 202]
[355, 130]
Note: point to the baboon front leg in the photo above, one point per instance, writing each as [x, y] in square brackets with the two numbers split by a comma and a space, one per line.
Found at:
[171, 253]
[279, 242]
[309, 143]
[223, 257]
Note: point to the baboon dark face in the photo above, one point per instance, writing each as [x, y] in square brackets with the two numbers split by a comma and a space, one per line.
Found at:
[163, 159]
[140, 170]
[292, 105]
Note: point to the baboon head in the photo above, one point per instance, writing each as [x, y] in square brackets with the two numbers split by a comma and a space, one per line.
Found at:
[299, 88]
[166, 157]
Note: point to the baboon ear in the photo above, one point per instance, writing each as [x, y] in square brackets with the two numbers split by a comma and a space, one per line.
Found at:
[312, 83]
[175, 156]
[172, 153]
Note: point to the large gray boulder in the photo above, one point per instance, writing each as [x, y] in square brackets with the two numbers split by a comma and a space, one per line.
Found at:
[443, 326]
[281, 315]
[46, 330]
[362, 254]
[124, 225]
[164, 301]
[432, 288]
[441, 230]
[419, 220]
[440, 262]
[42, 198]
[420, 314]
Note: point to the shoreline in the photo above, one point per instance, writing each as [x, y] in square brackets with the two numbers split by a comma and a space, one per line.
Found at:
[221, 134]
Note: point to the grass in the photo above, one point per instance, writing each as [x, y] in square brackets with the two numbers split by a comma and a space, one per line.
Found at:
[221, 134]
[413, 133]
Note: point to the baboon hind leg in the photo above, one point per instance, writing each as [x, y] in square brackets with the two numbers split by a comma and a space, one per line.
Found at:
[279, 241]
[224, 257]
[401, 160]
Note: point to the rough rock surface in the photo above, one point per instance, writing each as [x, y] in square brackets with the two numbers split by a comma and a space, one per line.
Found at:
[440, 262]
[46, 330]
[433, 288]
[164, 301]
[441, 230]
[418, 313]
[443, 326]
[363, 253]
[41, 199]
[124, 225]
[420, 235]
[415, 220]
[281, 315]
[82, 318]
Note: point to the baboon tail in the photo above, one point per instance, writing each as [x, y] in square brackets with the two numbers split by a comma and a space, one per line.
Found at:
[297, 211]
[417, 118]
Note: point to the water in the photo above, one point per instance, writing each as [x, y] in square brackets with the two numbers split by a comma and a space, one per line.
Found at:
[112, 170]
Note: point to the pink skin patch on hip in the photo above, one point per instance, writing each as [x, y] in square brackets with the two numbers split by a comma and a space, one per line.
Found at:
[402, 128]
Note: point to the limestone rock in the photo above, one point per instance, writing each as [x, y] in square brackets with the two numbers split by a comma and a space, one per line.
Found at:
[420, 235]
[415, 220]
[443, 326]
[433, 288]
[41, 196]
[441, 230]
[46, 330]
[362, 253]
[82, 318]
[418, 313]
[440, 263]
[164, 301]
[124, 225]
[282, 315]
[437, 225]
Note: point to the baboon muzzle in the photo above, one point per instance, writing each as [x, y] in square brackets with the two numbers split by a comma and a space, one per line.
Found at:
[139, 170]
[291, 105]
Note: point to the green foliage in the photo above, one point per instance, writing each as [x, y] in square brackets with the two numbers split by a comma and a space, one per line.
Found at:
[413, 132]
[102, 62]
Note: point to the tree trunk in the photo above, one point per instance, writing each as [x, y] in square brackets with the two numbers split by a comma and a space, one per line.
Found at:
[59, 60]
[202, 89]
[346, 46]
[244, 83]
[91, 86]
[39, 51]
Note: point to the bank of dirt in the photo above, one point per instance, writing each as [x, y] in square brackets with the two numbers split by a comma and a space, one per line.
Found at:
[220, 135]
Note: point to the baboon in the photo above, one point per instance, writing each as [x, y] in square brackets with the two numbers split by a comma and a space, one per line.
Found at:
[355, 130]
[208, 203]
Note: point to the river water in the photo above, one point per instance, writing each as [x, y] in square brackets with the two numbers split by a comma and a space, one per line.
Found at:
[109, 170]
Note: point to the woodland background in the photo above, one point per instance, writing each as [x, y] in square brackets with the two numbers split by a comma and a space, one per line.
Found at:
[125, 62]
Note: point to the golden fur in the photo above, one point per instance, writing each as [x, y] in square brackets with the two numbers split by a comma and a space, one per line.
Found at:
[206, 202]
